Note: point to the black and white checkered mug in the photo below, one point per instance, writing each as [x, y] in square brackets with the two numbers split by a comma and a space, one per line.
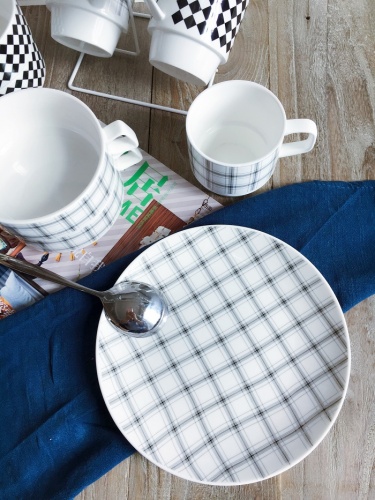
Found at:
[90, 26]
[60, 182]
[21, 63]
[191, 38]
[235, 132]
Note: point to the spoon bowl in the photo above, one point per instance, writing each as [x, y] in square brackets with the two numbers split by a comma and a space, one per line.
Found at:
[136, 309]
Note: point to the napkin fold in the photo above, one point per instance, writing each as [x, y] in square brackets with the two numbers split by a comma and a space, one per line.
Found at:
[56, 435]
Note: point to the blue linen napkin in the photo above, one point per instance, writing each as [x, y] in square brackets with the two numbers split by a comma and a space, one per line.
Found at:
[56, 435]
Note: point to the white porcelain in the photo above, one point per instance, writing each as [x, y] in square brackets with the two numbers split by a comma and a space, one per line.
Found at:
[21, 63]
[235, 132]
[90, 26]
[249, 372]
[189, 40]
[60, 187]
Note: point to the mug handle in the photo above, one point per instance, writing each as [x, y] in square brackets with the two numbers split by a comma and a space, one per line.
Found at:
[299, 126]
[155, 10]
[122, 144]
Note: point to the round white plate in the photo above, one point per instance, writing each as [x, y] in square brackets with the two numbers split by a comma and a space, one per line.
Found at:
[250, 370]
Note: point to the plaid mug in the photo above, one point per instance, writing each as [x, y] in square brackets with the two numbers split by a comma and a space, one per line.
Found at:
[21, 63]
[235, 132]
[62, 189]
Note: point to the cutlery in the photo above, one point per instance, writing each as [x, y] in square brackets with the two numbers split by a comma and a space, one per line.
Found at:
[137, 309]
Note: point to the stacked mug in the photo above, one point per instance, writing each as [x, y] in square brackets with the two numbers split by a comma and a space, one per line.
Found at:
[61, 187]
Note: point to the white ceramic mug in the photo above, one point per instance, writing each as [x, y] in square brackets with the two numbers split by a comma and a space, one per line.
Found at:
[21, 63]
[235, 132]
[60, 186]
[191, 38]
[90, 26]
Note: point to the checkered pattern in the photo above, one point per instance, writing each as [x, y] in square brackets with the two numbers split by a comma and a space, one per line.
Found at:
[231, 181]
[248, 373]
[202, 16]
[228, 22]
[82, 223]
[21, 64]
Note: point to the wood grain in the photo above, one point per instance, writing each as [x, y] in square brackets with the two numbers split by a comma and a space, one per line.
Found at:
[318, 57]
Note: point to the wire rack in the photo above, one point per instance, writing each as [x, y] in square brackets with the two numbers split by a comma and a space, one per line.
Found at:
[123, 52]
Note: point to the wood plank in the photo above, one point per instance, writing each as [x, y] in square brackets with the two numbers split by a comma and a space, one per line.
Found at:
[351, 88]
[138, 479]
[298, 71]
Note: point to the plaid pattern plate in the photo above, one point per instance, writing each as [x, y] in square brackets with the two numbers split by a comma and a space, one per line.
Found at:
[250, 370]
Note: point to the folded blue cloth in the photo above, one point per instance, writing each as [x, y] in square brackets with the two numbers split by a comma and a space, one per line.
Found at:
[56, 435]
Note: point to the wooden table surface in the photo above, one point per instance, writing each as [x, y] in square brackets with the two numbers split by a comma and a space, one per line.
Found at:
[318, 57]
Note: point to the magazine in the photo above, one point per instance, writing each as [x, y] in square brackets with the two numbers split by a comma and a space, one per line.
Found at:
[156, 203]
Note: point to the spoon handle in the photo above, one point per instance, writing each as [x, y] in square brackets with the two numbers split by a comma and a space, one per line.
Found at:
[39, 272]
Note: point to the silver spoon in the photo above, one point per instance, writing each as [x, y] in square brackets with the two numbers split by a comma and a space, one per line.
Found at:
[136, 309]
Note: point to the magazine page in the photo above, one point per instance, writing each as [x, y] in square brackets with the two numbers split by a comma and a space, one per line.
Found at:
[156, 203]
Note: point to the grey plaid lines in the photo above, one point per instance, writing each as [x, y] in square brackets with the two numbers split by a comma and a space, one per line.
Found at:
[231, 180]
[249, 371]
[21, 64]
[202, 15]
[69, 230]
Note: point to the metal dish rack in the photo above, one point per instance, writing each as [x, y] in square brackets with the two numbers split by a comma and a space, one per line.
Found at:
[136, 52]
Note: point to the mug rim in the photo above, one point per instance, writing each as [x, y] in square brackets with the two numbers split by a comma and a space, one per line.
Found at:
[57, 213]
[246, 83]
[13, 4]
